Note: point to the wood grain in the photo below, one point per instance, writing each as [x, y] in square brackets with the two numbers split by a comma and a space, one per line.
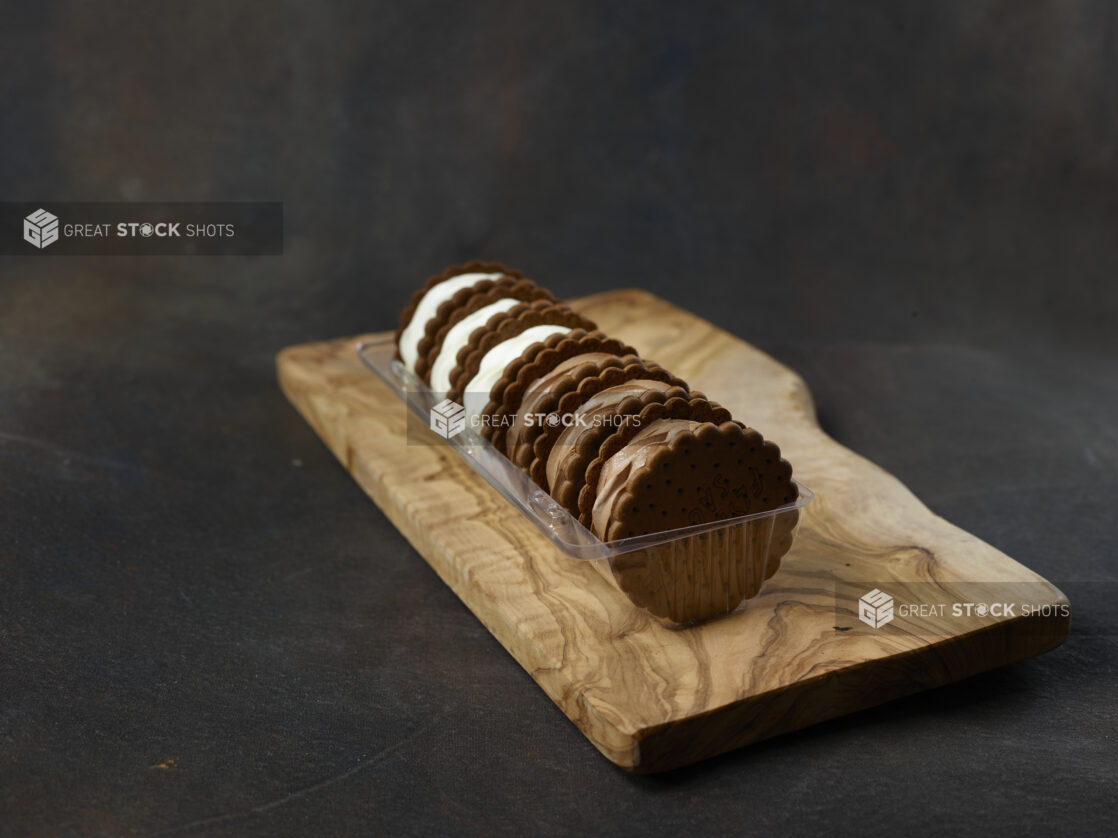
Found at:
[651, 697]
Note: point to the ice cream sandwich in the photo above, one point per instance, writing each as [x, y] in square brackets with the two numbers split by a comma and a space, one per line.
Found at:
[618, 441]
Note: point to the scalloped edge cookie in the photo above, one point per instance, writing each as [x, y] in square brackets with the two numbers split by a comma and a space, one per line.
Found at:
[697, 408]
[708, 573]
[449, 272]
[586, 441]
[539, 401]
[574, 397]
[537, 361]
[511, 323]
[431, 345]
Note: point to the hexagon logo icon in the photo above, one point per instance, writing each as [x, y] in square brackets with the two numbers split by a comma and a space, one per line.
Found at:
[40, 228]
[875, 609]
[448, 419]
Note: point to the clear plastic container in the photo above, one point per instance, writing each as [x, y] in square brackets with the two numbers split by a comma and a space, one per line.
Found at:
[679, 575]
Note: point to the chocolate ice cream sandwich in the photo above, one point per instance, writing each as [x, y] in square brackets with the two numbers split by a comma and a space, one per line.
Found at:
[618, 441]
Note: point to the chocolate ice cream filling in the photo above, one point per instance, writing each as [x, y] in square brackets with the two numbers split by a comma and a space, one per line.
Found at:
[594, 414]
[536, 393]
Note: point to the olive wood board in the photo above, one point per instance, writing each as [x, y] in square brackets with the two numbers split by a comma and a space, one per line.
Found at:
[650, 697]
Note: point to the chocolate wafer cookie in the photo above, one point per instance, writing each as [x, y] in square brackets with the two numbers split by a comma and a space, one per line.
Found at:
[442, 293]
[502, 328]
[598, 418]
[541, 399]
[677, 473]
[535, 362]
[694, 409]
[460, 323]
[572, 399]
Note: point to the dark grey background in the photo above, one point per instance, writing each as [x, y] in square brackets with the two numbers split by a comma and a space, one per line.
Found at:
[913, 204]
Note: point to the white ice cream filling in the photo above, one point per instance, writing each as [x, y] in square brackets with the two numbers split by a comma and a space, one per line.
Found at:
[493, 364]
[427, 307]
[457, 337]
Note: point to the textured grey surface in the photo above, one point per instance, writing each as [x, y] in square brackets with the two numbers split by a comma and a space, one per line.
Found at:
[913, 204]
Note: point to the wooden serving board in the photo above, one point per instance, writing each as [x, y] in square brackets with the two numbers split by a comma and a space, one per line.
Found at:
[650, 697]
